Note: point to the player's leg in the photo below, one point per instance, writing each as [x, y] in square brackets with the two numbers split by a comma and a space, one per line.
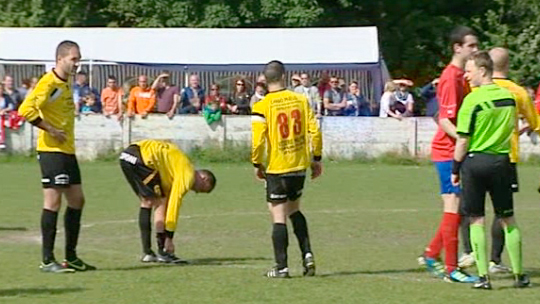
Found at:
[466, 259]
[497, 247]
[145, 229]
[503, 204]
[295, 185]
[276, 197]
[53, 181]
[165, 245]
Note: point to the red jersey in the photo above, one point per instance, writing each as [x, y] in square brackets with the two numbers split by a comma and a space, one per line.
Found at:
[451, 90]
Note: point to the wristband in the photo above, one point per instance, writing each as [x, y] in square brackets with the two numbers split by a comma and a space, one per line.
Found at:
[317, 158]
[257, 165]
[36, 121]
[456, 166]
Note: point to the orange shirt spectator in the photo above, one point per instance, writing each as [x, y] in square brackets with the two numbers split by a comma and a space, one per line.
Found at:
[111, 98]
[141, 98]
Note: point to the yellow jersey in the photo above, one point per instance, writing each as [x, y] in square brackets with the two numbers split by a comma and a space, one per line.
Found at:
[286, 123]
[525, 108]
[52, 101]
[175, 171]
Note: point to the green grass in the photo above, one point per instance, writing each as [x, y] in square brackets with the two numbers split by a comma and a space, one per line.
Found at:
[368, 223]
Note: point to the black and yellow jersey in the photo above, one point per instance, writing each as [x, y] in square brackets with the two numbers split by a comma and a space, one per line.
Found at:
[176, 172]
[525, 108]
[52, 101]
[286, 123]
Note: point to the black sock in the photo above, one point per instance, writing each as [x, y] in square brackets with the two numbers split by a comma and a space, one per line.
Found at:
[161, 237]
[72, 225]
[280, 238]
[48, 234]
[497, 240]
[145, 226]
[465, 234]
[301, 231]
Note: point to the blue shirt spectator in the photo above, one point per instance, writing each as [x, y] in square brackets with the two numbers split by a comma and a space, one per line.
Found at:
[356, 102]
[81, 88]
[192, 97]
[429, 94]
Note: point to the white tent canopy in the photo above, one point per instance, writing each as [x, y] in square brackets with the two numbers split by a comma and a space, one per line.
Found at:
[188, 46]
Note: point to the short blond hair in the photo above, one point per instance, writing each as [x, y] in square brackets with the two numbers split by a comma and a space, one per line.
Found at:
[389, 86]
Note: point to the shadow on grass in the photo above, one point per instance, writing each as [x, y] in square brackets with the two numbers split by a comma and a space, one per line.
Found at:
[13, 229]
[11, 292]
[533, 272]
[226, 261]
[193, 262]
[375, 272]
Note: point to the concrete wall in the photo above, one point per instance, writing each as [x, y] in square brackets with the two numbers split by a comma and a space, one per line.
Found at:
[343, 136]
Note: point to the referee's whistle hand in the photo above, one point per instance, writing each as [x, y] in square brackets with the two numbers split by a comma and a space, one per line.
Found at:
[455, 180]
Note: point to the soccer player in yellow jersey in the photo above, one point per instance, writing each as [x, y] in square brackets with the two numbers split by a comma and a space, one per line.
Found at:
[286, 123]
[525, 108]
[161, 175]
[50, 107]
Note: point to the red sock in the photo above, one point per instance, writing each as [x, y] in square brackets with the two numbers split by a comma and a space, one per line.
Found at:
[435, 246]
[450, 228]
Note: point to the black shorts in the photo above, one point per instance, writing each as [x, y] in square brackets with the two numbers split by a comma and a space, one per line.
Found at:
[281, 188]
[144, 181]
[59, 170]
[485, 173]
[515, 180]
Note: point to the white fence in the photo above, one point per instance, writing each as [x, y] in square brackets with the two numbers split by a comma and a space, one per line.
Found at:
[343, 137]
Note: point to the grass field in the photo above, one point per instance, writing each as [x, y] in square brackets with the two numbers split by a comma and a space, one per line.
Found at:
[367, 223]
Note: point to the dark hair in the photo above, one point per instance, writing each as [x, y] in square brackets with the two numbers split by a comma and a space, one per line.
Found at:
[261, 84]
[62, 50]
[211, 178]
[482, 60]
[459, 33]
[274, 71]
[112, 77]
[81, 72]
[215, 85]
[354, 81]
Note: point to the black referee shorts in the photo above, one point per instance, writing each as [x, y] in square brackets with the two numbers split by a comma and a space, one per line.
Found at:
[515, 180]
[486, 173]
[281, 188]
[59, 170]
[144, 181]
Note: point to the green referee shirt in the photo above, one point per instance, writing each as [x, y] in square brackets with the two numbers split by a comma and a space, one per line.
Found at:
[488, 117]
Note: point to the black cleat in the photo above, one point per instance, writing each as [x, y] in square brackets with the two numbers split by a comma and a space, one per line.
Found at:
[78, 265]
[309, 265]
[483, 283]
[170, 258]
[522, 281]
[278, 273]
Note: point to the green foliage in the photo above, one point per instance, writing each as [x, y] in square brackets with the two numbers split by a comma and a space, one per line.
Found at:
[413, 34]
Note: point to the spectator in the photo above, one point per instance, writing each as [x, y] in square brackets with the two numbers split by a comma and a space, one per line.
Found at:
[260, 91]
[141, 98]
[6, 103]
[334, 99]
[23, 89]
[342, 84]
[324, 84]
[387, 100]
[295, 82]
[111, 98]
[240, 99]
[404, 100]
[215, 96]
[429, 93]
[33, 83]
[10, 90]
[192, 96]
[89, 104]
[356, 102]
[81, 87]
[212, 111]
[168, 96]
[261, 79]
[311, 92]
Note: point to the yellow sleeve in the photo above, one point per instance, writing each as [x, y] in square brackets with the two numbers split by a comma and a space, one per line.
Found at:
[526, 108]
[315, 134]
[258, 133]
[31, 105]
[183, 179]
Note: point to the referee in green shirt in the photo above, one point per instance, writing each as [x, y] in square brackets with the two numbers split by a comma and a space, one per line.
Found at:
[485, 123]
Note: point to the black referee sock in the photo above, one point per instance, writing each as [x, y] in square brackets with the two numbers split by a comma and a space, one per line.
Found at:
[301, 231]
[465, 234]
[280, 238]
[145, 225]
[497, 240]
[72, 225]
[161, 237]
[48, 234]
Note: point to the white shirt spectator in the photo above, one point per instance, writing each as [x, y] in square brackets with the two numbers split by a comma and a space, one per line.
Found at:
[386, 100]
